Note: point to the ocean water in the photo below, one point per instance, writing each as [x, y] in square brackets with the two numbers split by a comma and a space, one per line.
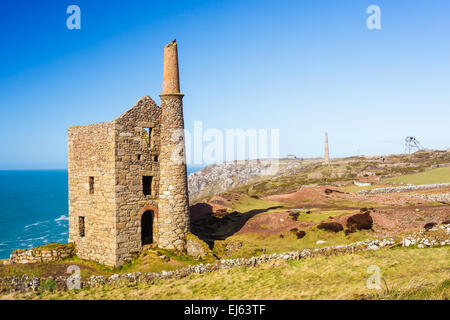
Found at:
[34, 208]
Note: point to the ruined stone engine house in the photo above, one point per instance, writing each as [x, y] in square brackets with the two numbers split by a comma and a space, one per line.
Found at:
[127, 178]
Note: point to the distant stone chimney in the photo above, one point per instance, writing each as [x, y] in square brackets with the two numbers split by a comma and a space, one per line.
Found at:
[173, 217]
[326, 159]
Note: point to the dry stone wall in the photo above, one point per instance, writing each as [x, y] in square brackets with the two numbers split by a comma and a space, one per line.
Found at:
[437, 236]
[44, 254]
[27, 283]
[404, 188]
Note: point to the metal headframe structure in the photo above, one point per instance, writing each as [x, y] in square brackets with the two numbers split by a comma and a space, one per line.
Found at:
[411, 143]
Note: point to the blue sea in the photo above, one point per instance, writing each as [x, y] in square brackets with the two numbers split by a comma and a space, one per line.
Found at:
[34, 208]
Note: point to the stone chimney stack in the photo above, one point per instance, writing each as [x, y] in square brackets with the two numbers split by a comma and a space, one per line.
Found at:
[173, 211]
[171, 76]
[326, 159]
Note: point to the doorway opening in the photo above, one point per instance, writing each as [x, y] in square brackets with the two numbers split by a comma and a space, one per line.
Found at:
[147, 227]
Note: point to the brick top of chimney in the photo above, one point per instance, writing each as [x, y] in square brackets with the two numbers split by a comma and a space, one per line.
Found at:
[171, 78]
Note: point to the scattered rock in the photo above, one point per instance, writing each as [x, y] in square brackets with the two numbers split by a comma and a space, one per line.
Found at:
[195, 247]
[430, 226]
[320, 242]
[406, 242]
[233, 246]
[429, 238]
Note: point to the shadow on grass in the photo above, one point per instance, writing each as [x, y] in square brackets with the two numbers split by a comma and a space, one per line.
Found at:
[210, 228]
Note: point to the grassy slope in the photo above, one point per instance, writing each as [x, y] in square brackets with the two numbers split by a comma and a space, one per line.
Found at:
[148, 262]
[246, 204]
[336, 277]
[253, 243]
[439, 175]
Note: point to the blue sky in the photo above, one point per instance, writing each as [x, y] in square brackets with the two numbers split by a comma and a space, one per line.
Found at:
[304, 67]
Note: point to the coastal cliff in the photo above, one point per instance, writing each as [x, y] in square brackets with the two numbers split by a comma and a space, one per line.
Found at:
[218, 178]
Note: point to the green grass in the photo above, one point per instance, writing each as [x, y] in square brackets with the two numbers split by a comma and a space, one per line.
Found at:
[334, 277]
[253, 243]
[318, 215]
[146, 262]
[438, 175]
[353, 188]
[246, 204]
[416, 290]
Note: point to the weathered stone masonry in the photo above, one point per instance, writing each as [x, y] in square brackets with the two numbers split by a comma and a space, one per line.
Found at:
[173, 200]
[124, 189]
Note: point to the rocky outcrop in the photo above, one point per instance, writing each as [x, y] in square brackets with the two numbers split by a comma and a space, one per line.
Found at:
[196, 248]
[218, 178]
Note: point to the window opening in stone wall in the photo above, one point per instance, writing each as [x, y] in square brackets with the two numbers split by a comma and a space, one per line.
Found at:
[81, 226]
[91, 185]
[156, 158]
[139, 157]
[147, 136]
[147, 185]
